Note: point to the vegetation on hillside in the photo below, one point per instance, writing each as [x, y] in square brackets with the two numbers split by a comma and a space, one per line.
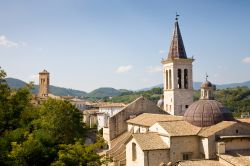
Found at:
[236, 100]
[49, 134]
[127, 97]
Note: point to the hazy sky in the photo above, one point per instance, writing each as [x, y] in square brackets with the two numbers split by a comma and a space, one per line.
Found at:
[87, 44]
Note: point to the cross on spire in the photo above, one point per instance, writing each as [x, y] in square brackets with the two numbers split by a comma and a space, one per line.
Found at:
[206, 76]
[177, 49]
[176, 16]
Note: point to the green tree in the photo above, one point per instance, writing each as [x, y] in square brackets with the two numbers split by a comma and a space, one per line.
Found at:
[61, 120]
[77, 154]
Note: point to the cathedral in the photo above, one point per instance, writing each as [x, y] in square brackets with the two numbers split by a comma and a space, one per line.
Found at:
[183, 132]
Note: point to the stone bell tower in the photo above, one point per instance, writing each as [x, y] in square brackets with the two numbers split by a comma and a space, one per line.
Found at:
[177, 74]
[43, 83]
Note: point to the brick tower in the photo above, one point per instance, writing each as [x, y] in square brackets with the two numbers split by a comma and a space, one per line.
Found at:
[43, 83]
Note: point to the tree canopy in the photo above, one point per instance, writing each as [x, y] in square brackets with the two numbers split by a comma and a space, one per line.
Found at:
[47, 134]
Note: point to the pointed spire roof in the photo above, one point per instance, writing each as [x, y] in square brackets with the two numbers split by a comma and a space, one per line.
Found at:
[177, 49]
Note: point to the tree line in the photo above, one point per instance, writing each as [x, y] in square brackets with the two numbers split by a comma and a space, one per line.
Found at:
[237, 100]
[50, 133]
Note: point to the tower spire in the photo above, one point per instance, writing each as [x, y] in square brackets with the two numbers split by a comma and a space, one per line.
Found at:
[177, 49]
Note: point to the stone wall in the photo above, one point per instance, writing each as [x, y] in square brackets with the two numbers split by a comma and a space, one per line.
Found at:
[156, 157]
[175, 99]
[139, 154]
[184, 144]
[117, 124]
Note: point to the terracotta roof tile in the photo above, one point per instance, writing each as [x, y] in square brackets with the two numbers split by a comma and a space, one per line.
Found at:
[148, 119]
[179, 128]
[208, 131]
[150, 141]
[200, 163]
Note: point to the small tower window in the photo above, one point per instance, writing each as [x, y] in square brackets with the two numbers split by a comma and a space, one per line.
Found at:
[133, 151]
[170, 79]
[179, 78]
[185, 78]
[166, 79]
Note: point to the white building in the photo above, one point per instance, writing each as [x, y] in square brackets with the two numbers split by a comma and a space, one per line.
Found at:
[107, 110]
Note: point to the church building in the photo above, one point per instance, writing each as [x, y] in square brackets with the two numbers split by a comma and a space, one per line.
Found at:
[185, 133]
[177, 74]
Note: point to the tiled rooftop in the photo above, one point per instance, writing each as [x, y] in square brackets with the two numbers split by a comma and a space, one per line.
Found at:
[148, 119]
[150, 141]
[179, 128]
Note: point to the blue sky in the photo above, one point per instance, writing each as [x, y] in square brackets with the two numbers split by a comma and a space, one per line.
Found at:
[87, 44]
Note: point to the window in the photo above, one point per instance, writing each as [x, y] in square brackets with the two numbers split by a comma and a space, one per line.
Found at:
[179, 78]
[166, 79]
[133, 151]
[170, 79]
[185, 78]
[186, 106]
[237, 131]
[186, 156]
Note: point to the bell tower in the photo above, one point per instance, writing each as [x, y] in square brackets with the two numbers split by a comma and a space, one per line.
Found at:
[43, 83]
[177, 74]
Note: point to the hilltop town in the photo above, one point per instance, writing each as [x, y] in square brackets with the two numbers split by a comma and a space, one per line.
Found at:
[124, 83]
[170, 129]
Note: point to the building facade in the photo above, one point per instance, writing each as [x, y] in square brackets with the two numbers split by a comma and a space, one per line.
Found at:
[177, 75]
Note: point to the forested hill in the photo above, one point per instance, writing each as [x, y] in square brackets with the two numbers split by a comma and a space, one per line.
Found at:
[197, 85]
[97, 94]
[58, 91]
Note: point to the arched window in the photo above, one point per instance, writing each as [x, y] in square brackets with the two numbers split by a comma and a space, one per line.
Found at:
[179, 78]
[185, 78]
[166, 79]
[170, 79]
[133, 151]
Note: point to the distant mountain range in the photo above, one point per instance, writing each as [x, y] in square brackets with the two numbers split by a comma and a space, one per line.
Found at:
[60, 91]
[104, 91]
[197, 85]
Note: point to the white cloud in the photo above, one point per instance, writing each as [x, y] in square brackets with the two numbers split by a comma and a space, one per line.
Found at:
[162, 51]
[123, 69]
[5, 42]
[34, 78]
[154, 69]
[246, 60]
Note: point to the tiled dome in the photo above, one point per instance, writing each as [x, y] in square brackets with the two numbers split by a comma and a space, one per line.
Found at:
[205, 113]
[206, 84]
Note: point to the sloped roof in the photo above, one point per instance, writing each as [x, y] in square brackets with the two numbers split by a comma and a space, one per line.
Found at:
[179, 128]
[91, 111]
[244, 120]
[148, 119]
[208, 131]
[150, 141]
[107, 104]
[177, 49]
[200, 163]
[237, 157]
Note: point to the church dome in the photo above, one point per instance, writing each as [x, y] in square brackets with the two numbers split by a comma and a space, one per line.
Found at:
[205, 113]
[206, 84]
[160, 103]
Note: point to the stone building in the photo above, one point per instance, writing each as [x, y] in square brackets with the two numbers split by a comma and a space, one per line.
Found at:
[43, 84]
[90, 117]
[107, 110]
[206, 132]
[177, 74]
[186, 133]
